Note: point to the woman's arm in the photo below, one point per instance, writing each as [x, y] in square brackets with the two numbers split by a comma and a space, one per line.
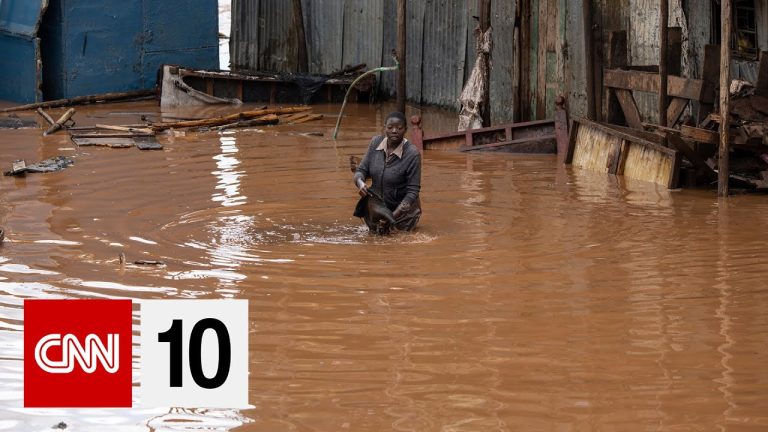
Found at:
[412, 185]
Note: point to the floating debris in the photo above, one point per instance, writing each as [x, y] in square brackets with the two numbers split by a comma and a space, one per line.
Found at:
[149, 262]
[13, 122]
[53, 164]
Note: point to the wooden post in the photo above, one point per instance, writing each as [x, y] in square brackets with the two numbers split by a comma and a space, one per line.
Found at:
[484, 8]
[723, 165]
[663, 65]
[301, 39]
[401, 51]
[417, 134]
[589, 58]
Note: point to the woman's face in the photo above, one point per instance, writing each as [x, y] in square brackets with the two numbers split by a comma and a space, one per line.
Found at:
[394, 129]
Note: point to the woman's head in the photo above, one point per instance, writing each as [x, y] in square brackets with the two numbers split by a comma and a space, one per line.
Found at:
[395, 127]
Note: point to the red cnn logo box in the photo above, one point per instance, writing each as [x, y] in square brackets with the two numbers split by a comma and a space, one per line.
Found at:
[77, 353]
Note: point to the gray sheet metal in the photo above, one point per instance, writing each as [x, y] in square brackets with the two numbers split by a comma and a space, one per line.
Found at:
[445, 29]
[363, 32]
[277, 40]
[414, 55]
[502, 61]
[323, 24]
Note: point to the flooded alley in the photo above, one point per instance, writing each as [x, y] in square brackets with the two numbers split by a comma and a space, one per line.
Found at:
[532, 297]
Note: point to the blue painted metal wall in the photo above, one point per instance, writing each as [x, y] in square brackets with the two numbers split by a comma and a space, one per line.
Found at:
[98, 46]
[20, 49]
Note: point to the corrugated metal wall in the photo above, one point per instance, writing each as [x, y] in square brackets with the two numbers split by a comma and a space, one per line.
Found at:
[441, 48]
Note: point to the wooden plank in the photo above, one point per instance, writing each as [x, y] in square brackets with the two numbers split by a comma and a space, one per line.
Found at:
[700, 135]
[574, 133]
[649, 82]
[308, 118]
[723, 164]
[627, 134]
[512, 143]
[561, 128]
[674, 51]
[698, 162]
[629, 108]
[675, 110]
[541, 82]
[762, 72]
[104, 142]
[617, 59]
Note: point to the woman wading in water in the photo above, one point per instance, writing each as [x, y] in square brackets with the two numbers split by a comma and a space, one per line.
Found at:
[394, 166]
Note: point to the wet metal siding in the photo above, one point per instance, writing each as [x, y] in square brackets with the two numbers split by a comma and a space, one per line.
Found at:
[244, 38]
[414, 53]
[277, 40]
[323, 27]
[20, 66]
[502, 60]
[98, 46]
[445, 30]
[363, 32]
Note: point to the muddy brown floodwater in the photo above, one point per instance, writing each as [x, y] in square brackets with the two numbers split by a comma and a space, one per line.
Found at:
[532, 298]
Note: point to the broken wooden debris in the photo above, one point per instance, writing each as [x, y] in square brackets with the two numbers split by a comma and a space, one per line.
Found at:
[57, 163]
[228, 119]
[83, 100]
[62, 122]
[269, 119]
[115, 139]
[309, 118]
[600, 148]
[149, 262]
[175, 92]
[46, 117]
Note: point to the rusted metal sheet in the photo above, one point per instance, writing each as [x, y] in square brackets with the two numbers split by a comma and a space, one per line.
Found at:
[229, 87]
[324, 22]
[445, 29]
[530, 137]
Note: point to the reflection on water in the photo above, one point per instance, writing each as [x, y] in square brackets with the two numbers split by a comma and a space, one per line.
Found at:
[532, 297]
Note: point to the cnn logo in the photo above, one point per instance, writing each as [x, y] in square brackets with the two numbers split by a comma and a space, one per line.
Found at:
[73, 352]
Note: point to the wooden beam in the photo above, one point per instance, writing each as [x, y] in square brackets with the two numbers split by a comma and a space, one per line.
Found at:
[723, 165]
[617, 59]
[401, 55]
[697, 161]
[675, 110]
[663, 69]
[762, 72]
[589, 58]
[484, 9]
[649, 82]
[629, 107]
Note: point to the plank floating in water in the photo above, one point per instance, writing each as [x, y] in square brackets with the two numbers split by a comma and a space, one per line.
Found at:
[620, 151]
